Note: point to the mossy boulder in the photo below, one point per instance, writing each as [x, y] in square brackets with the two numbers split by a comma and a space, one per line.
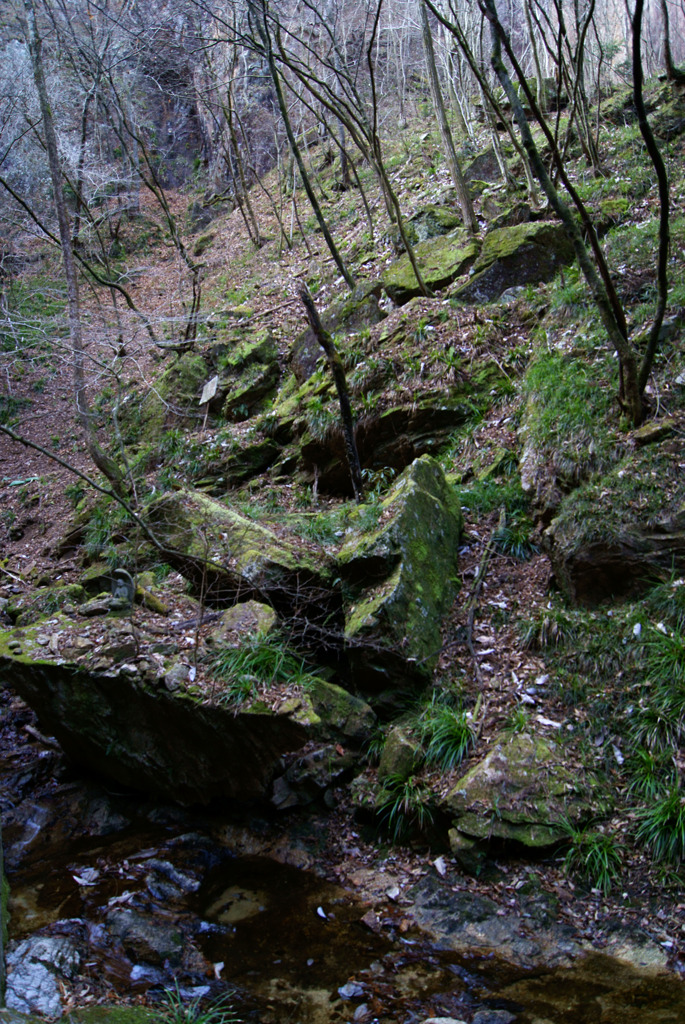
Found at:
[441, 261]
[341, 713]
[247, 369]
[26, 610]
[619, 534]
[401, 578]
[246, 392]
[248, 619]
[484, 167]
[174, 395]
[235, 352]
[401, 755]
[228, 557]
[520, 254]
[430, 222]
[524, 791]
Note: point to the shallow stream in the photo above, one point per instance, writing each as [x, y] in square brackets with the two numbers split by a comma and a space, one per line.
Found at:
[155, 897]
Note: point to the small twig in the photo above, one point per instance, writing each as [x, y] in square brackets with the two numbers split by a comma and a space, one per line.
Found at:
[11, 574]
[47, 741]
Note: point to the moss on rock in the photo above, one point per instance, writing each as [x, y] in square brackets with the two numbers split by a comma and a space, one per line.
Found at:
[441, 260]
[227, 555]
[616, 535]
[402, 576]
[517, 255]
[524, 791]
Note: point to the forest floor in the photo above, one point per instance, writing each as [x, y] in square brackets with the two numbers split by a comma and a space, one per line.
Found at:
[37, 510]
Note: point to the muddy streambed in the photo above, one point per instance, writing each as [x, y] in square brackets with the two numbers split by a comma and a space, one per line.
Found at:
[150, 897]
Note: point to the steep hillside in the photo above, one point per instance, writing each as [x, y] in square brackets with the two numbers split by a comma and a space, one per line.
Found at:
[485, 657]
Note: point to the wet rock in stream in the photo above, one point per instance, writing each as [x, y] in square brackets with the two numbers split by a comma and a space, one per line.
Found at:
[35, 968]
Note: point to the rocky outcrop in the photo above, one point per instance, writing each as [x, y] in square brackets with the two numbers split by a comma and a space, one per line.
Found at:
[618, 535]
[521, 254]
[441, 261]
[169, 744]
[521, 791]
[402, 578]
[174, 396]
[430, 222]
[35, 969]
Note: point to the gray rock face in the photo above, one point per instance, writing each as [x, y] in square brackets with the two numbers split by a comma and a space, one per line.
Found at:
[469, 922]
[34, 969]
[620, 533]
[147, 738]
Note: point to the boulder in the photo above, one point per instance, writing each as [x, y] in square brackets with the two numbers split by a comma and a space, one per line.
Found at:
[174, 395]
[35, 967]
[618, 535]
[430, 222]
[247, 369]
[401, 755]
[484, 167]
[146, 938]
[231, 558]
[441, 261]
[469, 923]
[242, 620]
[168, 744]
[522, 791]
[521, 254]
[396, 436]
[401, 578]
[341, 713]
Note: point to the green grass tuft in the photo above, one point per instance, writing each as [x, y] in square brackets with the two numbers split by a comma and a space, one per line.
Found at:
[662, 827]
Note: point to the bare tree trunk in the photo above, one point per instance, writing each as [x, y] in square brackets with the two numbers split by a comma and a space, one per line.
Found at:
[461, 188]
[103, 462]
[334, 361]
[673, 73]
[608, 306]
[662, 178]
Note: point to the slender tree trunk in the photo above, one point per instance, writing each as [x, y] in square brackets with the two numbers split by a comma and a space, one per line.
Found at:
[3, 921]
[673, 73]
[662, 178]
[311, 195]
[615, 327]
[103, 462]
[461, 188]
[334, 361]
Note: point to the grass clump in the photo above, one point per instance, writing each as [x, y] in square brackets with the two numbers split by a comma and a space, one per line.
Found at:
[257, 664]
[651, 775]
[447, 734]
[404, 806]
[662, 827]
[660, 721]
[176, 1010]
[514, 537]
[593, 857]
[570, 410]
